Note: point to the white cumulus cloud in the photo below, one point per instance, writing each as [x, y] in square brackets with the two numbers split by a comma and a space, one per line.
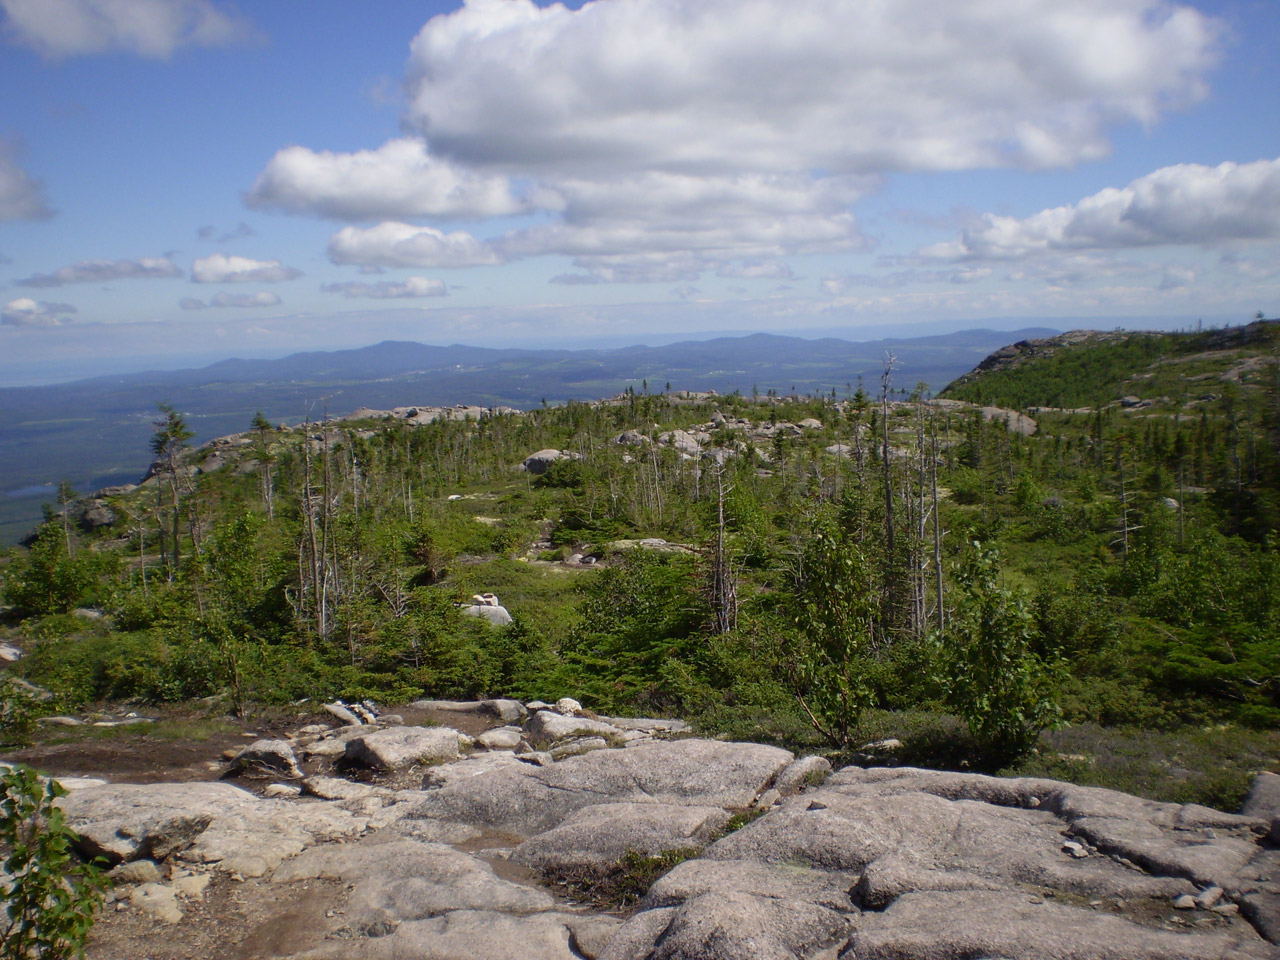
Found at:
[394, 244]
[388, 289]
[399, 179]
[1185, 204]
[149, 28]
[780, 85]
[659, 139]
[104, 271]
[25, 312]
[221, 268]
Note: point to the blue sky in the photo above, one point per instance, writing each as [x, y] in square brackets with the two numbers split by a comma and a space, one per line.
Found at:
[185, 180]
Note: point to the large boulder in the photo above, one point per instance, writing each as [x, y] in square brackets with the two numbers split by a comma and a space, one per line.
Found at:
[540, 462]
[508, 711]
[498, 616]
[401, 747]
[268, 756]
[548, 726]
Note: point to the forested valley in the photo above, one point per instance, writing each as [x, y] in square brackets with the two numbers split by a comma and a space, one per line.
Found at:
[1066, 564]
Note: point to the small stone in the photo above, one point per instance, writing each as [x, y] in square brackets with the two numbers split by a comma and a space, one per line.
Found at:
[767, 799]
[1226, 909]
[285, 790]
[158, 901]
[191, 886]
[1184, 902]
[1208, 897]
[578, 746]
[136, 871]
[1076, 850]
[500, 738]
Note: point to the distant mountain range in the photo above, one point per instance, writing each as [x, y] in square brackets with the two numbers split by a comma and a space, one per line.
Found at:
[95, 432]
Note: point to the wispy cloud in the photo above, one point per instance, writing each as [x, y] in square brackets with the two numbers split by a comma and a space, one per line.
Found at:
[149, 28]
[263, 298]
[104, 271]
[388, 289]
[25, 312]
[21, 196]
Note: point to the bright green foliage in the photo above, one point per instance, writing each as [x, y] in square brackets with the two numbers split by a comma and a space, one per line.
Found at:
[636, 616]
[20, 708]
[831, 657]
[992, 675]
[50, 897]
[49, 579]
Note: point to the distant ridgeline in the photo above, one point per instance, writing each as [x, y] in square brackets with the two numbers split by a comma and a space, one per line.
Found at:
[1085, 367]
[94, 433]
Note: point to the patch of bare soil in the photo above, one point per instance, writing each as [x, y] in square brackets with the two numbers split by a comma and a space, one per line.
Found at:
[237, 919]
[181, 746]
[234, 920]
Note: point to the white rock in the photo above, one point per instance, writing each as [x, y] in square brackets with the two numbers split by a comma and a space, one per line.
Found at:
[339, 710]
[500, 738]
[157, 901]
[403, 746]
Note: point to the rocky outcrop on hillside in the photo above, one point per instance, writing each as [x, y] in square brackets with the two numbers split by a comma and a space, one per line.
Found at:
[427, 842]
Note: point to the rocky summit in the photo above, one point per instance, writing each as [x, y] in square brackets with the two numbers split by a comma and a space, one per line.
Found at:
[383, 840]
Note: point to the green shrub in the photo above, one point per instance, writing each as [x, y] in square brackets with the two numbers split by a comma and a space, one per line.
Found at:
[987, 661]
[20, 707]
[50, 897]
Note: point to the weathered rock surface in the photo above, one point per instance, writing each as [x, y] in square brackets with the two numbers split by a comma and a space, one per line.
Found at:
[202, 822]
[937, 866]
[596, 837]
[403, 880]
[947, 924]
[477, 934]
[872, 864]
[526, 799]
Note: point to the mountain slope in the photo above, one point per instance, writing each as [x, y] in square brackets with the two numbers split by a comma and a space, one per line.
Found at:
[1091, 368]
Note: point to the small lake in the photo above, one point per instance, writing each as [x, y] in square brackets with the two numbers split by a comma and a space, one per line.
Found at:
[35, 490]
